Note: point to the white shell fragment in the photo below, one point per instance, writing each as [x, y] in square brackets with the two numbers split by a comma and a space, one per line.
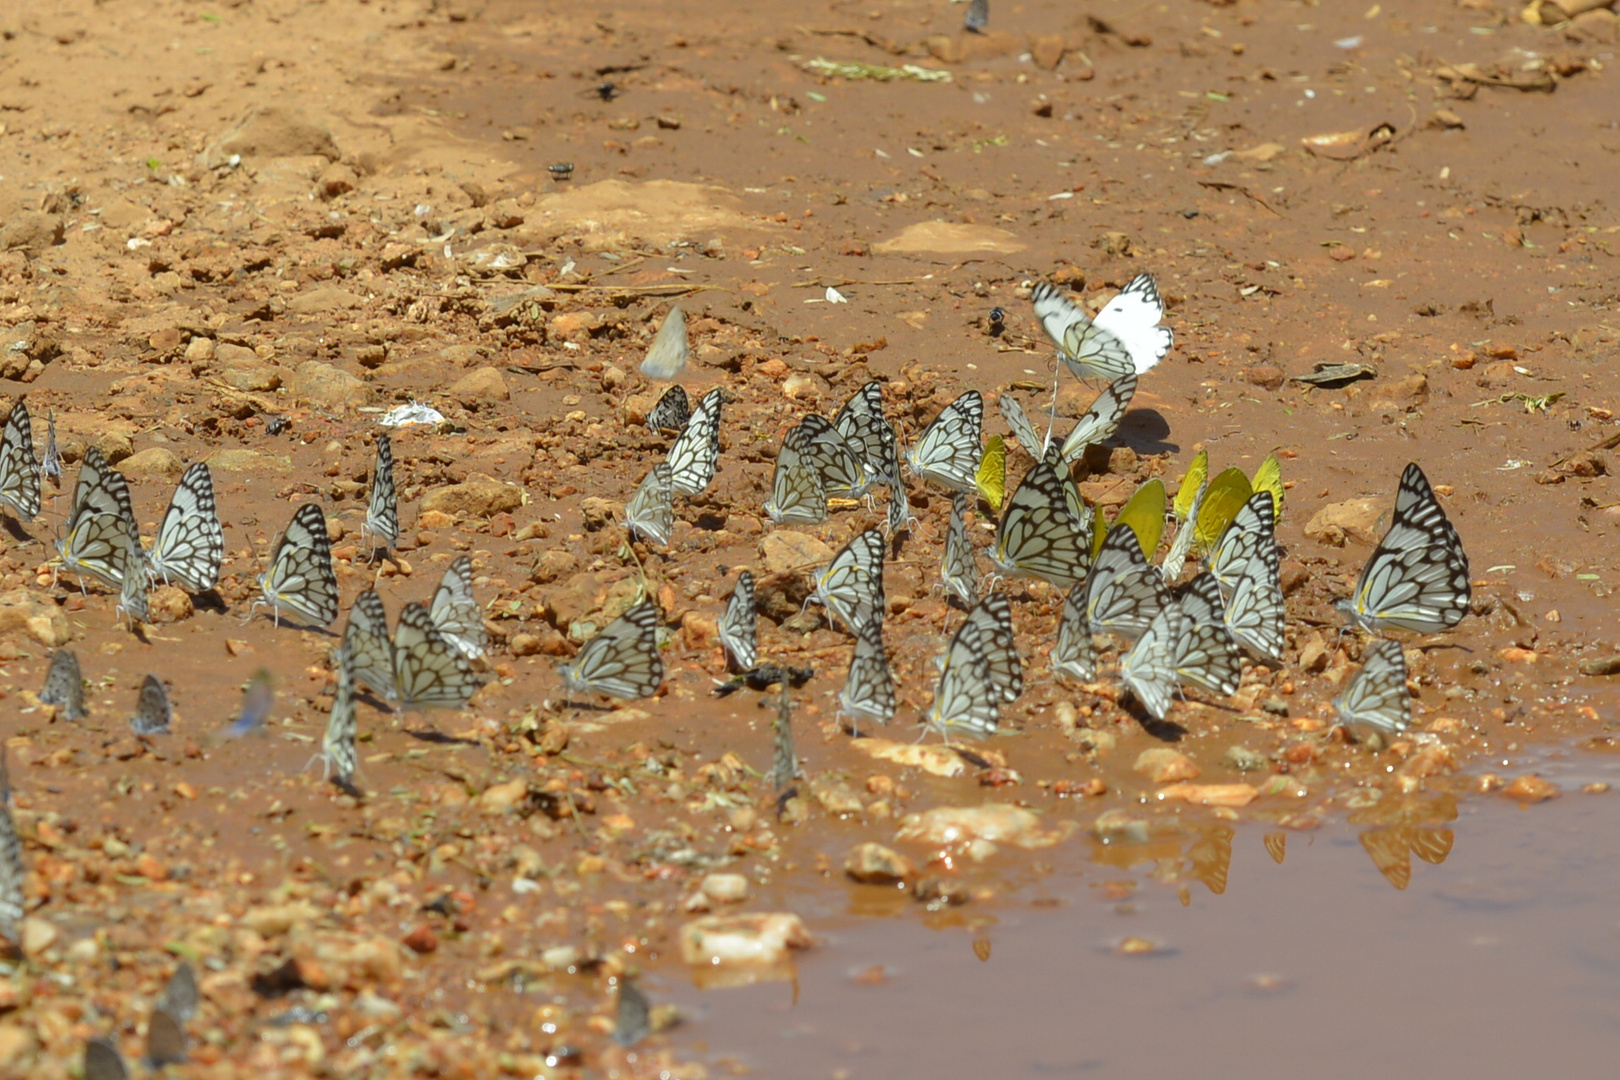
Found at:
[414, 413]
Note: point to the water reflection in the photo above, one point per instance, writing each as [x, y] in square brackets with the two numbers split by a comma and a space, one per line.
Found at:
[1407, 827]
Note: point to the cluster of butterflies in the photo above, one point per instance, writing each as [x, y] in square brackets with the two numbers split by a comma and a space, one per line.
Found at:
[165, 1031]
[1176, 634]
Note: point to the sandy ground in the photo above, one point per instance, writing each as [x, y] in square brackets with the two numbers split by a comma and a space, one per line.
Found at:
[219, 223]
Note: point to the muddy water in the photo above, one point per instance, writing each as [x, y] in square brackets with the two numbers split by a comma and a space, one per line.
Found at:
[1500, 957]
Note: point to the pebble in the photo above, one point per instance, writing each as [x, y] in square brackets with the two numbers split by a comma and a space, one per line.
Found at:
[478, 496]
[725, 888]
[1163, 765]
[325, 387]
[1356, 518]
[1231, 795]
[1531, 788]
[480, 387]
[998, 823]
[874, 864]
[153, 463]
[761, 940]
[786, 550]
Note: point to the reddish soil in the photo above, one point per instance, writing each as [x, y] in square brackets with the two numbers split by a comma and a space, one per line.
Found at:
[288, 217]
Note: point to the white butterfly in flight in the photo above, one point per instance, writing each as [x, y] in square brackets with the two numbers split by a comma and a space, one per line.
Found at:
[1124, 339]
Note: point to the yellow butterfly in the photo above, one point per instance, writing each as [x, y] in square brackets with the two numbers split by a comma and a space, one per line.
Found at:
[1226, 495]
[1145, 516]
[991, 479]
[1197, 473]
[1268, 477]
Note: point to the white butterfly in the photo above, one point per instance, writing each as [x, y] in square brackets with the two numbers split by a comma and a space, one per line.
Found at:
[820, 445]
[666, 356]
[1124, 338]
[1123, 593]
[190, 544]
[993, 616]
[1100, 421]
[672, 411]
[872, 439]
[1377, 697]
[456, 612]
[959, 569]
[798, 495]
[429, 671]
[739, 626]
[948, 450]
[299, 580]
[51, 464]
[13, 873]
[93, 544]
[1205, 656]
[1018, 423]
[898, 516]
[1038, 536]
[622, 660]
[1075, 655]
[852, 585]
[132, 591]
[868, 692]
[1181, 546]
[650, 513]
[152, 712]
[369, 648]
[1417, 577]
[1250, 534]
[1149, 669]
[19, 472]
[382, 511]
[1201, 600]
[695, 455]
[338, 756]
[1255, 614]
[966, 699]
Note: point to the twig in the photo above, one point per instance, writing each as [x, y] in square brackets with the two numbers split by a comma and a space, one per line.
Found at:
[1242, 189]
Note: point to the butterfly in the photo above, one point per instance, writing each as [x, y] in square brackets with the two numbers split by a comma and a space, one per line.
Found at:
[299, 580]
[1206, 656]
[103, 1062]
[456, 613]
[672, 411]
[1144, 515]
[977, 17]
[369, 648]
[152, 711]
[1377, 697]
[1224, 499]
[1075, 655]
[1123, 593]
[1149, 669]
[94, 544]
[695, 455]
[852, 585]
[632, 1019]
[190, 543]
[165, 1041]
[1268, 478]
[19, 472]
[622, 660]
[1018, 423]
[862, 424]
[1181, 545]
[1201, 601]
[947, 452]
[1250, 535]
[650, 513]
[784, 761]
[180, 997]
[429, 671]
[382, 511]
[820, 445]
[257, 700]
[1100, 421]
[739, 626]
[12, 874]
[51, 464]
[1193, 485]
[991, 477]
[1124, 338]
[64, 686]
[868, 692]
[966, 699]
[337, 746]
[132, 590]
[1037, 536]
[993, 616]
[959, 569]
[1255, 613]
[798, 494]
[1417, 577]
[898, 516]
[668, 353]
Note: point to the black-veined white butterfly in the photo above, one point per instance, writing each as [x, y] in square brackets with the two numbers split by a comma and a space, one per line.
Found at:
[852, 585]
[456, 613]
[959, 569]
[19, 471]
[1099, 422]
[382, 510]
[1149, 669]
[868, 692]
[622, 660]
[338, 758]
[1074, 655]
[190, 544]
[650, 513]
[1255, 614]
[93, 545]
[1018, 423]
[672, 411]
[12, 872]
[897, 514]
[862, 424]
[132, 590]
[1037, 536]
[1124, 593]
[1251, 533]
[1377, 697]
[51, 464]
[1417, 577]
[695, 455]
[429, 671]
[948, 450]
[739, 626]
[1181, 546]
[844, 473]
[666, 356]
[993, 616]
[369, 647]
[1206, 656]
[1124, 338]
[299, 580]
[966, 700]
[152, 710]
[64, 686]
[1201, 601]
[798, 493]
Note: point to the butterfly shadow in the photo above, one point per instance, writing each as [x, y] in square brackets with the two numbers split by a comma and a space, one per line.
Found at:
[15, 529]
[210, 600]
[1164, 730]
[439, 738]
[1147, 432]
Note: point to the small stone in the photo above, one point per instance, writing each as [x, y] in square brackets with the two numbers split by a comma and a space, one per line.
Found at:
[836, 797]
[326, 387]
[997, 823]
[249, 374]
[1234, 796]
[763, 940]
[502, 798]
[552, 565]
[1243, 759]
[26, 611]
[1047, 50]
[1531, 788]
[153, 463]
[1341, 252]
[572, 324]
[199, 350]
[37, 935]
[801, 387]
[480, 387]
[277, 919]
[701, 630]
[1357, 518]
[114, 447]
[422, 940]
[874, 864]
[1265, 376]
[1163, 765]
[170, 604]
[478, 496]
[725, 888]
[786, 550]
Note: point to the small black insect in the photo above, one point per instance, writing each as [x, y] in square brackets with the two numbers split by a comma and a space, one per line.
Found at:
[998, 321]
[608, 91]
[764, 677]
[277, 424]
[561, 170]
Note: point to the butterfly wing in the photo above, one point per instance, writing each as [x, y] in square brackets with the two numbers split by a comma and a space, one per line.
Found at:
[190, 543]
[852, 585]
[739, 626]
[1149, 668]
[1124, 593]
[966, 700]
[672, 411]
[667, 355]
[993, 616]
[1018, 423]
[429, 671]
[369, 649]
[650, 513]
[299, 578]
[1376, 697]
[64, 686]
[868, 692]
[948, 450]
[337, 744]
[959, 569]
[798, 495]
[1075, 655]
[822, 447]
[1201, 601]
[1101, 420]
[1417, 577]
[991, 477]
[1255, 615]
[1133, 318]
[19, 471]
[1206, 656]
[695, 456]
[1088, 350]
[382, 509]
[456, 613]
[152, 711]
[622, 660]
[1251, 534]
[1037, 535]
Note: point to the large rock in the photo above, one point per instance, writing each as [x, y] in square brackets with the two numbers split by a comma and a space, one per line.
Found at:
[153, 463]
[249, 374]
[26, 611]
[480, 387]
[1355, 518]
[477, 496]
[32, 232]
[325, 387]
[239, 459]
[272, 132]
[786, 550]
